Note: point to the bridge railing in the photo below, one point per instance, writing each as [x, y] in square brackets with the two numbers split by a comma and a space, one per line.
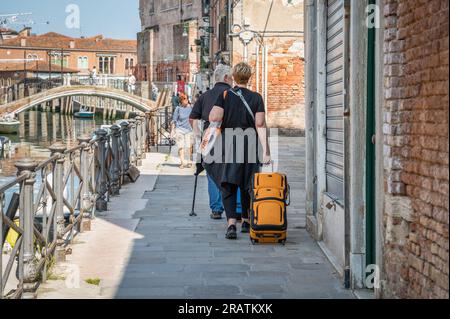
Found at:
[32, 86]
[104, 81]
[53, 201]
[27, 88]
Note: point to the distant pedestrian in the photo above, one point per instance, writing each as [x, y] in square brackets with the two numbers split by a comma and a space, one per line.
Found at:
[131, 83]
[175, 101]
[182, 131]
[67, 79]
[181, 85]
[93, 76]
[155, 92]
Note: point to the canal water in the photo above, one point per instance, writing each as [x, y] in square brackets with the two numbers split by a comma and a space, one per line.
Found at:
[38, 131]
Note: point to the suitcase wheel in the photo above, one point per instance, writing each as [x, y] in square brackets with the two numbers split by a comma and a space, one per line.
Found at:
[283, 242]
[254, 241]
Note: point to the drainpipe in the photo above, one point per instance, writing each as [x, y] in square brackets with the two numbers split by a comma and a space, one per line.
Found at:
[310, 98]
[245, 52]
[265, 78]
[263, 70]
[347, 178]
[230, 24]
[257, 66]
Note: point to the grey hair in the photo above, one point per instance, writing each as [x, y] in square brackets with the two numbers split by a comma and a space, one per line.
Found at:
[221, 71]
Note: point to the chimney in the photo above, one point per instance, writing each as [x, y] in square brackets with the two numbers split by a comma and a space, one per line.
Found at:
[25, 32]
[72, 44]
[23, 42]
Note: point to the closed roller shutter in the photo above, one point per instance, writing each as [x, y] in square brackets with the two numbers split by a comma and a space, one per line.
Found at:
[335, 99]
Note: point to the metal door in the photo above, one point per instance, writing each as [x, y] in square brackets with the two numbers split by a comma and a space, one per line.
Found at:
[335, 100]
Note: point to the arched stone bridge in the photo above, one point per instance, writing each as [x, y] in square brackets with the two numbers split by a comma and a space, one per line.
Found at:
[141, 104]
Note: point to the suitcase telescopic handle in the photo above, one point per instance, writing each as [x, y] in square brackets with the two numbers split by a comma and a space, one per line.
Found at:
[288, 200]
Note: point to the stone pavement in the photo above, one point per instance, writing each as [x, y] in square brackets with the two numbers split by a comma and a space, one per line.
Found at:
[147, 246]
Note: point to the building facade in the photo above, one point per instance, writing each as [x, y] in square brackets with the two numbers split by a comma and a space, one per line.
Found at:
[114, 58]
[185, 40]
[269, 36]
[167, 48]
[12, 73]
[377, 142]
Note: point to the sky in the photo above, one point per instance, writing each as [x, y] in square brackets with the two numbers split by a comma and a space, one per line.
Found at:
[113, 18]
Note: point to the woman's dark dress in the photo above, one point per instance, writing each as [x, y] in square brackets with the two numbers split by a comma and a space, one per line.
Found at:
[236, 116]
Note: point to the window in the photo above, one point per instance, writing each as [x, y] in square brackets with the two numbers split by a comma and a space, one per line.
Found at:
[106, 65]
[100, 65]
[111, 65]
[180, 42]
[33, 57]
[144, 72]
[223, 33]
[83, 63]
[56, 59]
[129, 64]
[151, 7]
[169, 5]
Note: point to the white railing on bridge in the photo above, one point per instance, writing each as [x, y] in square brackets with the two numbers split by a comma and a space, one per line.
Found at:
[30, 87]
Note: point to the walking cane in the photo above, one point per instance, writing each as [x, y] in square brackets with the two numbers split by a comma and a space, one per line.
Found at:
[199, 170]
[193, 199]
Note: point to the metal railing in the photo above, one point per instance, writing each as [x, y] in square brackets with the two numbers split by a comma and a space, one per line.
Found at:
[163, 118]
[55, 200]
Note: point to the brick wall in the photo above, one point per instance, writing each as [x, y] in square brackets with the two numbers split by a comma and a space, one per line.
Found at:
[285, 82]
[416, 148]
[286, 78]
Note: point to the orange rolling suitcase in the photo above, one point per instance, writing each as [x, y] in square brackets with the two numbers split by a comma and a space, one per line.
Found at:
[268, 215]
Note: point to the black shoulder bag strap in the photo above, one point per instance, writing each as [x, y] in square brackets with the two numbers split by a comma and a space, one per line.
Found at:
[239, 94]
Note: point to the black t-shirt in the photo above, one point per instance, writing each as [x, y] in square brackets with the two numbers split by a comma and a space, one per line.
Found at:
[205, 103]
[235, 111]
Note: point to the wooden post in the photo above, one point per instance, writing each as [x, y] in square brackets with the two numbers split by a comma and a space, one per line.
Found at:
[108, 110]
[63, 105]
[115, 109]
[98, 100]
[104, 109]
[70, 111]
[127, 113]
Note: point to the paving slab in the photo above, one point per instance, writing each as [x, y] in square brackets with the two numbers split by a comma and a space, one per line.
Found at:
[151, 248]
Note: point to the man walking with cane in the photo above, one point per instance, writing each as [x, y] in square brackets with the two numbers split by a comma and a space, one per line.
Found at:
[223, 81]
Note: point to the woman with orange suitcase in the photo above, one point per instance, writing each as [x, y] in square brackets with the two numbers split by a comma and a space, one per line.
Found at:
[239, 115]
